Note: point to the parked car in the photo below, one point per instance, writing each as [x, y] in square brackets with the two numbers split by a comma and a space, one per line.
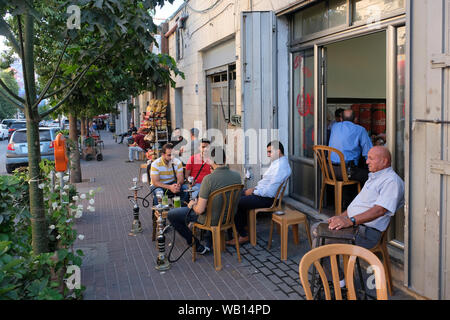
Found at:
[8, 122]
[17, 151]
[66, 125]
[15, 126]
[54, 123]
[3, 131]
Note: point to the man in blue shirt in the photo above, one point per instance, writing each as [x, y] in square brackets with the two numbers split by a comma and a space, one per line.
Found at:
[353, 141]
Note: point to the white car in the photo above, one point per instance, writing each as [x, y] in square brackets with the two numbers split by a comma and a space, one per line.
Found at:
[54, 123]
[3, 132]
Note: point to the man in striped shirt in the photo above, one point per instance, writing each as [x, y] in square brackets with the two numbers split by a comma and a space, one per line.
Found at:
[167, 174]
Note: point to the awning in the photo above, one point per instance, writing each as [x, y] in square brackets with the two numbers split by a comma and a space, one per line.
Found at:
[294, 7]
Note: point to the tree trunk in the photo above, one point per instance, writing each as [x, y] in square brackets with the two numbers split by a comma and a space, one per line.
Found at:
[83, 127]
[75, 166]
[38, 218]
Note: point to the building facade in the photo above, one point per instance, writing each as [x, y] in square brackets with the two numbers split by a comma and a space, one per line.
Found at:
[279, 69]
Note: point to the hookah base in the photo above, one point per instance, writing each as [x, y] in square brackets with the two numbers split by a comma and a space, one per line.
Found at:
[135, 228]
[162, 265]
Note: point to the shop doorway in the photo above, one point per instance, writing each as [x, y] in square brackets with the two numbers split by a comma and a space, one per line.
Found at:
[355, 78]
[221, 101]
[355, 75]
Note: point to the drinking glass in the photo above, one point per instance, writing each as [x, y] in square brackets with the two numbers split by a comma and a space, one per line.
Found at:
[159, 195]
[176, 202]
[165, 200]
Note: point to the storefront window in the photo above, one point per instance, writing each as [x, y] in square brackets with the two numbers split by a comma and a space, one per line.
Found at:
[372, 10]
[400, 152]
[322, 16]
[303, 70]
[303, 186]
[397, 232]
[329, 14]
[337, 13]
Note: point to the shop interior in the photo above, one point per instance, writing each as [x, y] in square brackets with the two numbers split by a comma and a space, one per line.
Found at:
[356, 79]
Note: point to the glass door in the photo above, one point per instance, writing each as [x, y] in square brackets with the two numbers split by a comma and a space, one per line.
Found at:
[303, 183]
[397, 232]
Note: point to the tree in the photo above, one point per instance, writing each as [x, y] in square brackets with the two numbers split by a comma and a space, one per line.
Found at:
[94, 29]
[7, 108]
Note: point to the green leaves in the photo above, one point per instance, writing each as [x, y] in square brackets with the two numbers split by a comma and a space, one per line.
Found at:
[62, 254]
[24, 275]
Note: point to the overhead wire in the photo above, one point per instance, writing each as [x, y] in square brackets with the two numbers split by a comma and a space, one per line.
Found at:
[204, 10]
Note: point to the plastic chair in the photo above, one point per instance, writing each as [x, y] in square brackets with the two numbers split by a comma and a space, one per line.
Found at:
[329, 176]
[276, 206]
[349, 253]
[230, 196]
[381, 247]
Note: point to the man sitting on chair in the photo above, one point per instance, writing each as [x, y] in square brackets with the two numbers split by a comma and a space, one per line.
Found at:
[129, 132]
[166, 174]
[198, 167]
[371, 211]
[139, 145]
[220, 178]
[262, 196]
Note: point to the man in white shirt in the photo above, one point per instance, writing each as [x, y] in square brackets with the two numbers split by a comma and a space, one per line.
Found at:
[371, 211]
[263, 194]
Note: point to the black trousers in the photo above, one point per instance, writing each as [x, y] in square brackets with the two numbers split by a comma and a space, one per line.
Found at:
[247, 203]
[350, 192]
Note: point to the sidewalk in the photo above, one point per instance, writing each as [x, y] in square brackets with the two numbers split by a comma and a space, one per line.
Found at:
[119, 266]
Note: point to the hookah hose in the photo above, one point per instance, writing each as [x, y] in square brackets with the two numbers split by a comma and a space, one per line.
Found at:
[145, 201]
[173, 242]
[146, 204]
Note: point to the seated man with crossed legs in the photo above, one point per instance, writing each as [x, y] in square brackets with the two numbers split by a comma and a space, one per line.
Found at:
[262, 196]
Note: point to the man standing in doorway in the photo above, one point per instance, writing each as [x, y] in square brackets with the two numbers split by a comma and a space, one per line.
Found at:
[337, 118]
[353, 141]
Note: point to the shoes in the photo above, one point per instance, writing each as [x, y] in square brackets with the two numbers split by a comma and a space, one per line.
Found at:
[232, 242]
[201, 249]
[120, 142]
[129, 161]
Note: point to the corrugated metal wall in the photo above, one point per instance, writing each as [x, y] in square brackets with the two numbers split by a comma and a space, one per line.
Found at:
[429, 166]
[258, 52]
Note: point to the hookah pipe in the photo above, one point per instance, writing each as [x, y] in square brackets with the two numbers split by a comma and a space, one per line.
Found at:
[136, 226]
